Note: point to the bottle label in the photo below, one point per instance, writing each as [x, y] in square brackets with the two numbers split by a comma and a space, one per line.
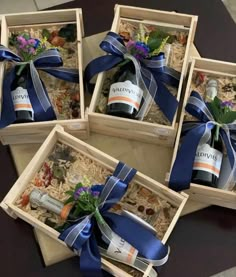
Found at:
[127, 93]
[121, 250]
[208, 159]
[21, 99]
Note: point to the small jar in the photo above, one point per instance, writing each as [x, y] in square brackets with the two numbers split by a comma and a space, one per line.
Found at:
[211, 90]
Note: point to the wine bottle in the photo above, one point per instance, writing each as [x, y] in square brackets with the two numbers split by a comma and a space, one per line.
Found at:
[20, 96]
[42, 199]
[207, 163]
[125, 95]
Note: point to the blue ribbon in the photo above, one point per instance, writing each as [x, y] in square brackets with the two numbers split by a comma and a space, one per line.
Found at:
[154, 73]
[194, 134]
[49, 61]
[82, 237]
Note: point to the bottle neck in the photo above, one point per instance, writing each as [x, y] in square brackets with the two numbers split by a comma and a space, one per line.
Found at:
[22, 70]
[127, 72]
[215, 137]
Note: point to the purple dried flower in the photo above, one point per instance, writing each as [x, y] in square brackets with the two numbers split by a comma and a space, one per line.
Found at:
[95, 193]
[138, 49]
[130, 44]
[227, 104]
[22, 41]
[31, 41]
[32, 50]
[80, 191]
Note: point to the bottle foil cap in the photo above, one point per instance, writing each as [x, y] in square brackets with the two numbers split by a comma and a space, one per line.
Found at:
[36, 197]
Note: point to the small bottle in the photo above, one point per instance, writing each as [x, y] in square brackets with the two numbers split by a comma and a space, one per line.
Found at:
[20, 97]
[42, 199]
[207, 163]
[211, 90]
[125, 96]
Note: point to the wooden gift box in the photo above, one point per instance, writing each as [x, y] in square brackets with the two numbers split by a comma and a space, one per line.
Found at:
[59, 135]
[37, 132]
[205, 194]
[134, 129]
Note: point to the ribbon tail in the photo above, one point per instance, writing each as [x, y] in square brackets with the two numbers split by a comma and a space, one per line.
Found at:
[8, 115]
[225, 134]
[136, 235]
[181, 173]
[67, 74]
[166, 101]
[40, 114]
[98, 65]
[90, 259]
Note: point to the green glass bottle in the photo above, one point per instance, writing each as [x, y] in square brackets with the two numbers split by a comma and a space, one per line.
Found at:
[125, 95]
[20, 96]
[207, 163]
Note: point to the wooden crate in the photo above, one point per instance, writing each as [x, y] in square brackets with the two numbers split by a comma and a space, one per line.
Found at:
[134, 129]
[58, 134]
[205, 194]
[37, 132]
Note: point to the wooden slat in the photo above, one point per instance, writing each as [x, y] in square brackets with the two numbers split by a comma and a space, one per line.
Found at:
[212, 196]
[28, 18]
[153, 15]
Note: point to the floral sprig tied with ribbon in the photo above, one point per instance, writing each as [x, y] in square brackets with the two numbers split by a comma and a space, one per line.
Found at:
[216, 114]
[34, 54]
[84, 199]
[152, 74]
[147, 45]
[97, 231]
[222, 113]
[27, 47]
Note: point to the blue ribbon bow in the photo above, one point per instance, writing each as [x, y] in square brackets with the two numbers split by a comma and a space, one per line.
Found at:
[83, 236]
[150, 73]
[196, 133]
[49, 61]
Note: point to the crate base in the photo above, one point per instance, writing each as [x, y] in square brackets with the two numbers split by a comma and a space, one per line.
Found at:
[138, 155]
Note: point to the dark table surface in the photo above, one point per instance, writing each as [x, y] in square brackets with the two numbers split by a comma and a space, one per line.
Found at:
[202, 243]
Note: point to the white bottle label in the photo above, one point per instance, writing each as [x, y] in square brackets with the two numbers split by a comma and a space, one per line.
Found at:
[121, 250]
[127, 93]
[208, 159]
[21, 101]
